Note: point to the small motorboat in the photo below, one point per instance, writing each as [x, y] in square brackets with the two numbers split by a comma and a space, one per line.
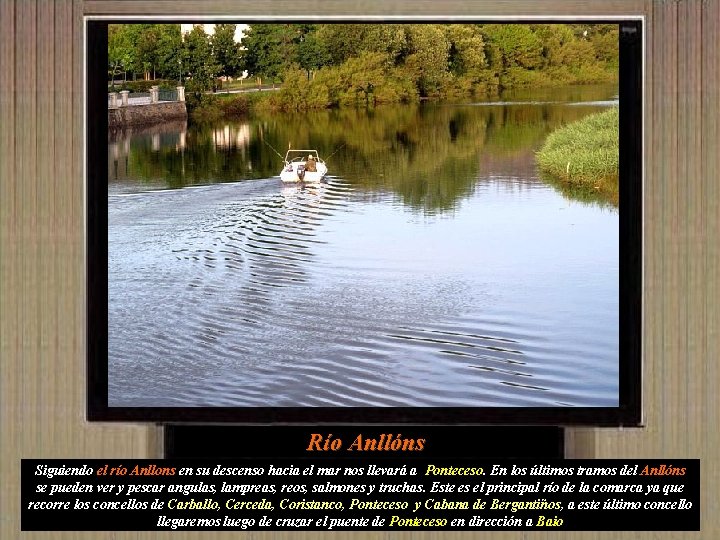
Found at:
[303, 166]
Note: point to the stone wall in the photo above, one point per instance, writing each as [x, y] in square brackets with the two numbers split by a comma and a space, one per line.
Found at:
[145, 115]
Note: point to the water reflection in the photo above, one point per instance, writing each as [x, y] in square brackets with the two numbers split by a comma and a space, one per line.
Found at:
[248, 294]
[428, 155]
[126, 172]
[434, 268]
[230, 137]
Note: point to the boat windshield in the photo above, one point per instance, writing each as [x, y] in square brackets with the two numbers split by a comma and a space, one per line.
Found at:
[301, 155]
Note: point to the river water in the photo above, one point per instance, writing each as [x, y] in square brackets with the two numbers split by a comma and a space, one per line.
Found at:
[433, 268]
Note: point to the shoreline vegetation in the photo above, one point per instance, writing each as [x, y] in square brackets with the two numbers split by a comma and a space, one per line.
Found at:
[321, 66]
[370, 65]
[316, 67]
[582, 158]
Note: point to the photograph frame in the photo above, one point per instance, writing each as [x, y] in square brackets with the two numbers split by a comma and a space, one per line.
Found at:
[629, 413]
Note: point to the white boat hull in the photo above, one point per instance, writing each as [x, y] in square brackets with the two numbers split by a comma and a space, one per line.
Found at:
[289, 174]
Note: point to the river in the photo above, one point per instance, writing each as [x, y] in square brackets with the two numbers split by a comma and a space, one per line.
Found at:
[433, 267]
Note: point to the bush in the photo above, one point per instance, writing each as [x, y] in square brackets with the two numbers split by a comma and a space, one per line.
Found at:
[203, 108]
[367, 80]
[300, 94]
[235, 106]
[479, 84]
[206, 114]
[206, 108]
[517, 77]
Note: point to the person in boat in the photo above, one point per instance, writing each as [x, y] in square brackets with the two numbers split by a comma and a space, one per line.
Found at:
[310, 165]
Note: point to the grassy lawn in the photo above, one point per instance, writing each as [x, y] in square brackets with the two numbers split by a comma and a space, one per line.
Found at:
[584, 155]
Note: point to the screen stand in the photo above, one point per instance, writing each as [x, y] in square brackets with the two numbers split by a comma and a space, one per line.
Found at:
[292, 441]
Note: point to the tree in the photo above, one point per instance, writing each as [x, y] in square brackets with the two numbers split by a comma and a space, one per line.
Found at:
[342, 41]
[226, 51]
[553, 38]
[198, 61]
[467, 49]
[345, 41]
[146, 46]
[516, 44]
[428, 58]
[312, 53]
[605, 41]
[270, 49]
[121, 50]
[169, 50]
[388, 39]
[577, 53]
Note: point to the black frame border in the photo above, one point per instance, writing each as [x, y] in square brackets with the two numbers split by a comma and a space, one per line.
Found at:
[628, 413]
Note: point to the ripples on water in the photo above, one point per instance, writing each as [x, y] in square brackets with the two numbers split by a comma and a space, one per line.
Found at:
[255, 294]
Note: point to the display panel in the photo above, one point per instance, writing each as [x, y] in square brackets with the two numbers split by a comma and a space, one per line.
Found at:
[464, 259]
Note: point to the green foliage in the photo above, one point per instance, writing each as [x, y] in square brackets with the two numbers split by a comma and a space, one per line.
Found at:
[210, 108]
[553, 37]
[330, 65]
[585, 153]
[121, 53]
[198, 61]
[144, 86]
[551, 54]
[169, 51]
[514, 45]
[366, 80]
[147, 49]
[226, 53]
[312, 53]
[206, 113]
[344, 41]
[237, 106]
[388, 39]
[605, 44]
[299, 94]
[430, 156]
[577, 53]
[466, 55]
[427, 60]
[361, 78]
[159, 51]
[367, 64]
[475, 85]
[271, 49]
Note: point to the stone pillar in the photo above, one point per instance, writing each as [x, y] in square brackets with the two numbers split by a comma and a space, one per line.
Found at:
[124, 98]
[154, 94]
[181, 93]
[113, 103]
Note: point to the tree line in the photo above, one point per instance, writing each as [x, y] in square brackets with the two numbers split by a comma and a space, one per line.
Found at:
[160, 51]
[333, 64]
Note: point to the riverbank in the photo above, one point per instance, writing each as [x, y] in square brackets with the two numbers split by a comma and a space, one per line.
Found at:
[146, 115]
[300, 94]
[583, 156]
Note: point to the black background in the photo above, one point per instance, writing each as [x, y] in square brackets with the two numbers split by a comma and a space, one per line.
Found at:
[572, 519]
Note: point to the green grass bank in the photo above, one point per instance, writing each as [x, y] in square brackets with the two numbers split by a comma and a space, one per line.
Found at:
[583, 156]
